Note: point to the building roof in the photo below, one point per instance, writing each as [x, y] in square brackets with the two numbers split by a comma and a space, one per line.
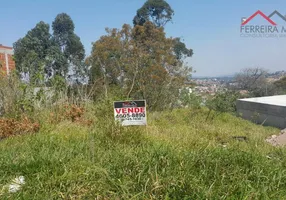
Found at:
[5, 49]
[279, 100]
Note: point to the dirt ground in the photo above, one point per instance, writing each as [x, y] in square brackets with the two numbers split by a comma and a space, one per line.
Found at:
[278, 140]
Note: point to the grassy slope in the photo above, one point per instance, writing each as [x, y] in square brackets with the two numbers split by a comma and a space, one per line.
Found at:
[178, 156]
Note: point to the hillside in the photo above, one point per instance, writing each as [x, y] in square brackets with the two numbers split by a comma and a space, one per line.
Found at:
[178, 156]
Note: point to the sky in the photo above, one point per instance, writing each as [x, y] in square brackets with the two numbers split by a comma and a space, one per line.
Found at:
[210, 28]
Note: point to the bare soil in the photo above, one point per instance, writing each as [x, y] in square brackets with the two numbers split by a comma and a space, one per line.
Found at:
[278, 140]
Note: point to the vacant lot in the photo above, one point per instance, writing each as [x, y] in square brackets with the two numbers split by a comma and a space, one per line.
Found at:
[179, 155]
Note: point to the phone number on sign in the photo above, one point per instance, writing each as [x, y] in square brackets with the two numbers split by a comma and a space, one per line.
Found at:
[134, 115]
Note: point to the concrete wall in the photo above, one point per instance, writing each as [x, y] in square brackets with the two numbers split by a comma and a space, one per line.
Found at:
[266, 113]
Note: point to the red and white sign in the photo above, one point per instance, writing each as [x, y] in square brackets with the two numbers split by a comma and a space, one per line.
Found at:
[130, 113]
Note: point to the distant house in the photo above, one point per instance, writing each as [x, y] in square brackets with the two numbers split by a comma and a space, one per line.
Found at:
[7, 63]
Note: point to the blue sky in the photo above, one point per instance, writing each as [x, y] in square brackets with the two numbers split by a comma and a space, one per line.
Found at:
[210, 28]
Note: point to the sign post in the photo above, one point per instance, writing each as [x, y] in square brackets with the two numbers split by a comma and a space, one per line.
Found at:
[131, 113]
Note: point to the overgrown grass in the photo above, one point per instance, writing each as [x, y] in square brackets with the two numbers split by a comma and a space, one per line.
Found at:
[179, 155]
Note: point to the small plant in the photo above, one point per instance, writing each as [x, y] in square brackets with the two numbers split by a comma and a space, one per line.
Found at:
[74, 112]
[255, 117]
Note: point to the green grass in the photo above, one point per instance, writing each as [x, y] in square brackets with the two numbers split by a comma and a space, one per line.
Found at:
[178, 156]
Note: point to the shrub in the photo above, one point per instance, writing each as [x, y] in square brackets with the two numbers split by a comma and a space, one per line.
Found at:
[10, 127]
[9, 94]
[190, 99]
[222, 102]
[71, 112]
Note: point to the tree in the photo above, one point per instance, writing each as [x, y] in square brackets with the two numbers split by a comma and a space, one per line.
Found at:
[157, 11]
[181, 50]
[107, 58]
[70, 45]
[40, 56]
[254, 80]
[63, 27]
[142, 62]
[281, 85]
[33, 53]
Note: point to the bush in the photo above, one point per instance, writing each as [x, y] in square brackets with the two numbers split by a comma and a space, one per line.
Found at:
[9, 94]
[16, 97]
[10, 127]
[222, 102]
[71, 112]
[190, 100]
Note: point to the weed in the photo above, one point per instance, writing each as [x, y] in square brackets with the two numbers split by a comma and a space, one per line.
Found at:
[178, 156]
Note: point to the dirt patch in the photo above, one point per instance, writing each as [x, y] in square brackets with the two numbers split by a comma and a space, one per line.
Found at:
[278, 140]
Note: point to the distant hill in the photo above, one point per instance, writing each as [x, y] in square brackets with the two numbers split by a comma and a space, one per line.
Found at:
[229, 77]
[277, 74]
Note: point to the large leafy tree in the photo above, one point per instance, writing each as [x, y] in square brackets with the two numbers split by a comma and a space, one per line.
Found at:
[157, 11]
[141, 61]
[70, 44]
[63, 27]
[113, 55]
[40, 55]
[35, 54]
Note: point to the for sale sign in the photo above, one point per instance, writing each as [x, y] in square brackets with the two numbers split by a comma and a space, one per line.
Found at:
[130, 112]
